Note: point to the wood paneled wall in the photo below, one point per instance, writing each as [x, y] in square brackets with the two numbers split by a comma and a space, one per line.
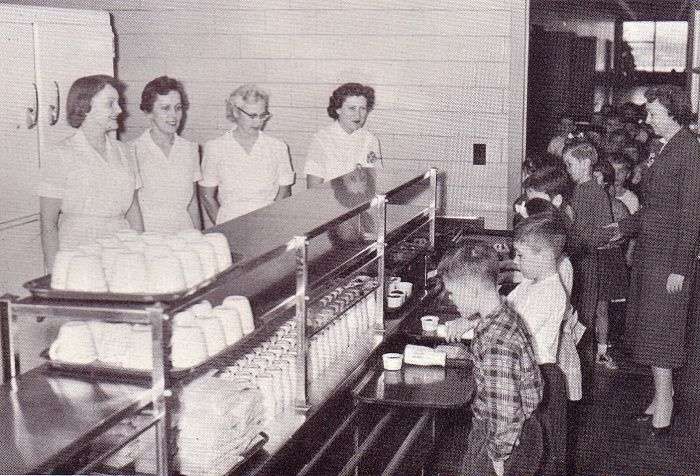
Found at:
[447, 73]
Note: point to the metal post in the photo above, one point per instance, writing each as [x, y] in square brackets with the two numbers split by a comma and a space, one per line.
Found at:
[433, 205]
[161, 388]
[9, 370]
[381, 264]
[301, 244]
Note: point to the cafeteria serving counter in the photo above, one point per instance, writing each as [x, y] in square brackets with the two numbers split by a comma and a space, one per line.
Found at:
[288, 257]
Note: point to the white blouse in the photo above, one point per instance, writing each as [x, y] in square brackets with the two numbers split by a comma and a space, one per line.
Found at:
[246, 181]
[333, 152]
[95, 192]
[167, 182]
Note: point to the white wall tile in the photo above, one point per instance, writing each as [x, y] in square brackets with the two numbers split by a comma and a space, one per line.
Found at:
[179, 45]
[266, 46]
[413, 23]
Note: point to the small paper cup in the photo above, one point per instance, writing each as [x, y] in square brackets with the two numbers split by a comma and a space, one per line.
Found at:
[392, 361]
[430, 323]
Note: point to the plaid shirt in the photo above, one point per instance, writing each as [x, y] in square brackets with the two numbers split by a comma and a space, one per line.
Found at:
[508, 380]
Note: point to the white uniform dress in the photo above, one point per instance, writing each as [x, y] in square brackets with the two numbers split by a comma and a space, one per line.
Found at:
[246, 181]
[333, 152]
[167, 183]
[95, 193]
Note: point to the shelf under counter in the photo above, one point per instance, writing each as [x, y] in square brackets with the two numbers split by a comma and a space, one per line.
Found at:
[46, 418]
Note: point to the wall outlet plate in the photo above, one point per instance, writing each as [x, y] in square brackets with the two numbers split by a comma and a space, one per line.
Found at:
[479, 154]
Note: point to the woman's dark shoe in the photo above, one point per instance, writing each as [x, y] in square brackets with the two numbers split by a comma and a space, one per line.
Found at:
[642, 417]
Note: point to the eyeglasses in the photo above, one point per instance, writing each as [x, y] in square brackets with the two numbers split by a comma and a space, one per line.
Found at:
[263, 116]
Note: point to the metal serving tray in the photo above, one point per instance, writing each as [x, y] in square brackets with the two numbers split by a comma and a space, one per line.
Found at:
[41, 288]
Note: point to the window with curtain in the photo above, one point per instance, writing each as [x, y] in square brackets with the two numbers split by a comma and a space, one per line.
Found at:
[657, 46]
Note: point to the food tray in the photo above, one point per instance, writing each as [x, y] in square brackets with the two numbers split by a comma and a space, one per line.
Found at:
[41, 288]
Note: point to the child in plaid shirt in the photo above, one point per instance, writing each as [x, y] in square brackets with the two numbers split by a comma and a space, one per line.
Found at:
[505, 438]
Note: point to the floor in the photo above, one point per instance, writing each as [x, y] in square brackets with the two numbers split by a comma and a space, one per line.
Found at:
[610, 442]
[606, 440]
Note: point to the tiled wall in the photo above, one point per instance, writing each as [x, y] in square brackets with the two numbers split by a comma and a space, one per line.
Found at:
[447, 73]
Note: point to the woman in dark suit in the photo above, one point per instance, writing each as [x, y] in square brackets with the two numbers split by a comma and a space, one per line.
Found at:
[666, 229]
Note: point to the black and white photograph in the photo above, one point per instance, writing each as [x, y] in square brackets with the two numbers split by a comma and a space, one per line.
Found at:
[350, 237]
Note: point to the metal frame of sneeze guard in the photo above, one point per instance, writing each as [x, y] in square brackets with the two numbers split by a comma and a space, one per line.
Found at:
[300, 246]
[380, 203]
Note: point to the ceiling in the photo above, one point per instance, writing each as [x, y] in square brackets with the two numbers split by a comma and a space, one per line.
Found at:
[624, 9]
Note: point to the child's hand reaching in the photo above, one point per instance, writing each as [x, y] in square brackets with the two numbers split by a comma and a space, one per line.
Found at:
[457, 327]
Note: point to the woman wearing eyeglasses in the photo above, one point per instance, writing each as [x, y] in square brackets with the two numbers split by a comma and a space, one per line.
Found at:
[339, 148]
[249, 168]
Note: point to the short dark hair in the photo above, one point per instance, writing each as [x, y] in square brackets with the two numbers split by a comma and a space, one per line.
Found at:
[550, 179]
[534, 162]
[544, 230]
[620, 158]
[474, 259]
[535, 206]
[675, 99]
[79, 100]
[161, 86]
[345, 91]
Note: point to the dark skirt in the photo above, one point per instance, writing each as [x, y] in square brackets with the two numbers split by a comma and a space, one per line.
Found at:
[613, 277]
[655, 321]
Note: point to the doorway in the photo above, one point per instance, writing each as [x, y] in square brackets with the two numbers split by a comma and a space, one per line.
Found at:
[600, 57]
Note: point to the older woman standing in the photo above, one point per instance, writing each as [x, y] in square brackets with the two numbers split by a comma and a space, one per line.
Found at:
[339, 148]
[168, 164]
[249, 168]
[89, 180]
[667, 229]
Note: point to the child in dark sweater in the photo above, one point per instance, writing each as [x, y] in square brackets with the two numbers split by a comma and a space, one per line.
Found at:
[592, 212]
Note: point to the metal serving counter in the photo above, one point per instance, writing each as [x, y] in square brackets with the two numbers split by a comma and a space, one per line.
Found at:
[342, 225]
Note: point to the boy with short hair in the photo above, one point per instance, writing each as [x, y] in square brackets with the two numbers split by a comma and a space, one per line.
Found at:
[542, 300]
[508, 380]
[592, 213]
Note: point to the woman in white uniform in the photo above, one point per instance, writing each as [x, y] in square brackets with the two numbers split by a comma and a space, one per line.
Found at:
[89, 180]
[339, 148]
[168, 164]
[249, 168]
